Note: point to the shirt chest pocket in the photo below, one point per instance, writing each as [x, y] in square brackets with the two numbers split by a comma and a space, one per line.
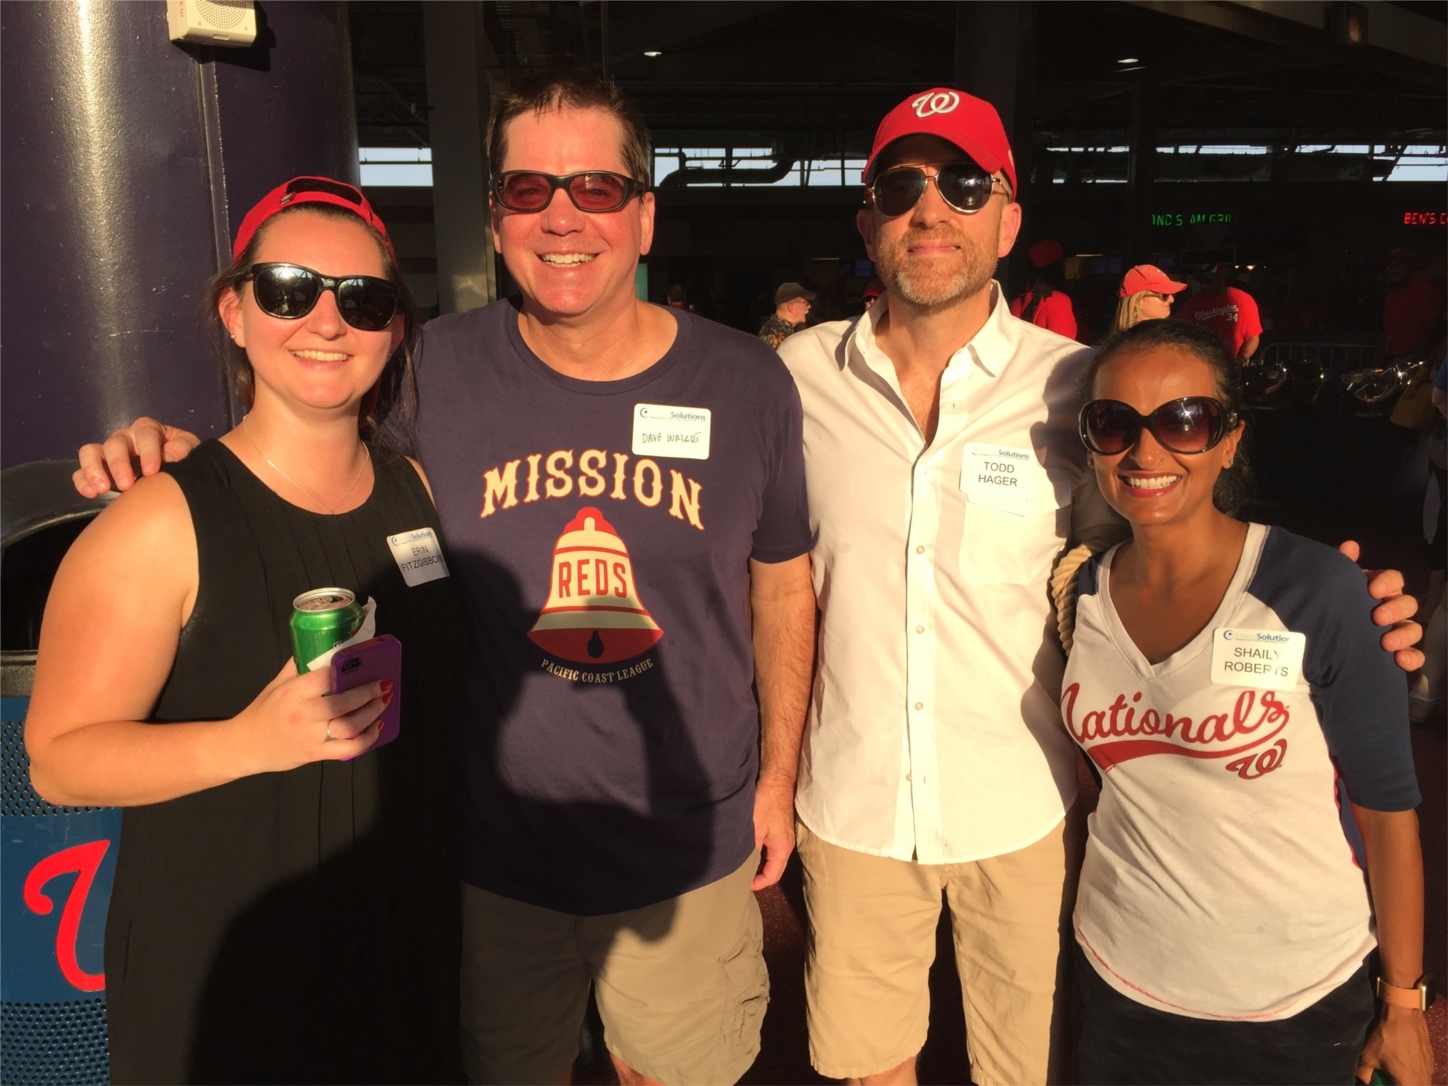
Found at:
[1014, 522]
[1009, 547]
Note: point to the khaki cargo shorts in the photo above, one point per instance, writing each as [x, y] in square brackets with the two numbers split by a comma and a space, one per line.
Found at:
[681, 985]
[872, 925]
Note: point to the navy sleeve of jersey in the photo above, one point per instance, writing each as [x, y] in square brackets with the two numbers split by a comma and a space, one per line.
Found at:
[783, 531]
[1361, 698]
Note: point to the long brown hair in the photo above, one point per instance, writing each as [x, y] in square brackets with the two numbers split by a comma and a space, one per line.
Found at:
[386, 419]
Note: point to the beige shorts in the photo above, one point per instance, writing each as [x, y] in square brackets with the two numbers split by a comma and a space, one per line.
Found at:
[873, 921]
[681, 985]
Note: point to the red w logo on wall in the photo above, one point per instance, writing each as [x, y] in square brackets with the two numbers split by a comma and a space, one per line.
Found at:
[83, 861]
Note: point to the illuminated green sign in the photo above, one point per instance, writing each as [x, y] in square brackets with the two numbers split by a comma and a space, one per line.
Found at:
[1190, 218]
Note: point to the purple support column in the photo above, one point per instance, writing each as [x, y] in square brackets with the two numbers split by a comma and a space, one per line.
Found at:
[127, 160]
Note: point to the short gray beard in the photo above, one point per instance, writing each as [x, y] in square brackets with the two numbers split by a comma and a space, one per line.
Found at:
[932, 291]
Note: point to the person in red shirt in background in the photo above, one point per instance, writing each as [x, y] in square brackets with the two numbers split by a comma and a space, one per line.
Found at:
[1044, 303]
[1229, 312]
[1413, 306]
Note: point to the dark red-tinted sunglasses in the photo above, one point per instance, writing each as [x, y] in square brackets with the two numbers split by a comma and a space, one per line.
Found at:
[1192, 424]
[595, 191]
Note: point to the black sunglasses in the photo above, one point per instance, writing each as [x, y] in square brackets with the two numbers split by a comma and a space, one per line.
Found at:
[594, 191]
[290, 291]
[1192, 424]
[963, 185]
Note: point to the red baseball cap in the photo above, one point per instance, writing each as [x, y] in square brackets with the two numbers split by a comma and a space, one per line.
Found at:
[971, 123]
[1148, 277]
[308, 190]
[1044, 253]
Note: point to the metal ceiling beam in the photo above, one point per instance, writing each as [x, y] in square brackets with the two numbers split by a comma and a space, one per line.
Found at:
[668, 26]
[1263, 22]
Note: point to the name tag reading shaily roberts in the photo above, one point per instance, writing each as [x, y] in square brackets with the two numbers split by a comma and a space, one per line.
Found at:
[666, 430]
[1265, 659]
[999, 476]
[418, 555]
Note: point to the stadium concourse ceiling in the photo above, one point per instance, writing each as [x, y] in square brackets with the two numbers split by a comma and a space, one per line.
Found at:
[816, 77]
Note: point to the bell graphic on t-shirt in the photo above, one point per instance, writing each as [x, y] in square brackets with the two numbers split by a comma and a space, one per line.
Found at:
[593, 614]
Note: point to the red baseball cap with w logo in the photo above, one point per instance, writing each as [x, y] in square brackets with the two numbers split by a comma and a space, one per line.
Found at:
[308, 190]
[971, 123]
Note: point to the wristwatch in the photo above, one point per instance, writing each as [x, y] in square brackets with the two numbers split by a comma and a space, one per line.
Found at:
[1419, 997]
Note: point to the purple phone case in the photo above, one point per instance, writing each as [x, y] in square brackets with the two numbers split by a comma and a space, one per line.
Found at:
[378, 660]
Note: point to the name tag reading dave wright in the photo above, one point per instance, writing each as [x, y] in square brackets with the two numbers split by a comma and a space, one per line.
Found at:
[418, 555]
[665, 430]
[999, 476]
[1265, 659]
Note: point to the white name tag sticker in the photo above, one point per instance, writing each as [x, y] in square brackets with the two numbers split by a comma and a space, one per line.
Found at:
[666, 430]
[1000, 476]
[419, 556]
[1265, 659]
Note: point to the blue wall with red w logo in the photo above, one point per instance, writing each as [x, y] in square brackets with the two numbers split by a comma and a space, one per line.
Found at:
[56, 867]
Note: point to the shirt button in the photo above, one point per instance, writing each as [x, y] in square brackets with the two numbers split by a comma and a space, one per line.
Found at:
[920, 705]
[919, 629]
[919, 550]
[907, 776]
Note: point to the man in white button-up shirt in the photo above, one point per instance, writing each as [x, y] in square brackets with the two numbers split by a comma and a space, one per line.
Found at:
[945, 476]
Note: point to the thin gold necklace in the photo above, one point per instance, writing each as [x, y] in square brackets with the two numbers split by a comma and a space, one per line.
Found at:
[331, 509]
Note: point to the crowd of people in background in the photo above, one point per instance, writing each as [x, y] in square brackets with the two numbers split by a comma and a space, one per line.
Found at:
[1400, 300]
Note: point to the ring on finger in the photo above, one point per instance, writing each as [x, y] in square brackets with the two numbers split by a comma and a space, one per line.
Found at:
[330, 736]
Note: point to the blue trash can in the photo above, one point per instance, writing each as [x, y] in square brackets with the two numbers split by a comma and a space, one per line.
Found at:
[56, 863]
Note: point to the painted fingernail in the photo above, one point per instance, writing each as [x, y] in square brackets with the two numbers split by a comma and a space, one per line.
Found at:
[386, 686]
[386, 699]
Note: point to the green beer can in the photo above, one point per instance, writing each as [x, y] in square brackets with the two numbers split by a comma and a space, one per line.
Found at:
[322, 619]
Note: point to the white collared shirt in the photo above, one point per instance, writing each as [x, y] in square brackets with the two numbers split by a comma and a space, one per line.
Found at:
[934, 732]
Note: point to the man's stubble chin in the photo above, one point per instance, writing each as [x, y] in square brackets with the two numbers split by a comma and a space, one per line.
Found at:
[937, 283]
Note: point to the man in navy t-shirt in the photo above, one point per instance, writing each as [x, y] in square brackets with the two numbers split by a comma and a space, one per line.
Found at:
[622, 491]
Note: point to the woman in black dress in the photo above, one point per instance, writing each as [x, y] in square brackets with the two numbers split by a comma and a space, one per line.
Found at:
[285, 899]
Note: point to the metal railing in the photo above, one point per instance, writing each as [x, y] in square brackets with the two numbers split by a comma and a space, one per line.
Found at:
[1308, 372]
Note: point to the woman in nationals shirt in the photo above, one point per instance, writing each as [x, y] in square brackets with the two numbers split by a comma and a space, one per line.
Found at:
[1253, 742]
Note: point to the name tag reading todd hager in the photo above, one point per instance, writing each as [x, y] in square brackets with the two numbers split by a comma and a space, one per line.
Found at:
[664, 430]
[418, 556]
[999, 476]
[1265, 659]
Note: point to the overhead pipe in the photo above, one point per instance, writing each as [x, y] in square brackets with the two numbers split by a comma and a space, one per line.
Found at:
[699, 176]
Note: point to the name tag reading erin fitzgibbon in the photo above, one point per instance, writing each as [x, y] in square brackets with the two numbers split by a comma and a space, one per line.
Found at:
[1265, 659]
[418, 556]
[664, 430]
[999, 476]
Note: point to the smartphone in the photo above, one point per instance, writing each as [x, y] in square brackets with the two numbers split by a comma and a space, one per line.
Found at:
[378, 660]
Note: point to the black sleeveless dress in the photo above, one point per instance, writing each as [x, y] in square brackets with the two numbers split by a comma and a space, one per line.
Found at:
[298, 926]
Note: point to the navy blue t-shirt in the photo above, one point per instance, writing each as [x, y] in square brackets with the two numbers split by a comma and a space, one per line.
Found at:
[612, 745]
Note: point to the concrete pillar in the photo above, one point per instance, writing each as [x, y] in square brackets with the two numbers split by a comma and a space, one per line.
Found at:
[127, 163]
[1141, 167]
[458, 93]
[995, 59]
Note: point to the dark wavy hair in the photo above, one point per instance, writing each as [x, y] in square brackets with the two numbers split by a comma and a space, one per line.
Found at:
[1234, 485]
[386, 421]
[570, 90]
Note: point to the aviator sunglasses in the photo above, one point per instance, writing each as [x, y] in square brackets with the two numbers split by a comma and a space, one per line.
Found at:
[962, 185]
[1192, 424]
[594, 191]
[290, 291]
